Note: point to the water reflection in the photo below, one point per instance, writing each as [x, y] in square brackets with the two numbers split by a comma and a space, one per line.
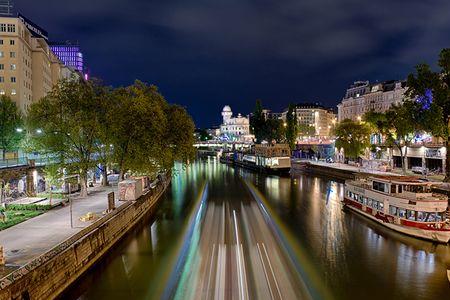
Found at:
[354, 257]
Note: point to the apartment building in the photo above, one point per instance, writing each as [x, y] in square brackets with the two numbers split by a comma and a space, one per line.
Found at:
[362, 97]
[28, 67]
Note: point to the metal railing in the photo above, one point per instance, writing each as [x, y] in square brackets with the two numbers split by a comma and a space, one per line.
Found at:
[13, 162]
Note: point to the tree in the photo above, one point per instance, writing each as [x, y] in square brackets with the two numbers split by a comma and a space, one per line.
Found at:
[148, 134]
[179, 135]
[306, 130]
[353, 137]
[53, 175]
[274, 130]
[69, 120]
[10, 125]
[291, 126]
[432, 91]
[257, 122]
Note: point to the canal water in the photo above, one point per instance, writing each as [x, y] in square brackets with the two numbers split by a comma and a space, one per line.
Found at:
[338, 254]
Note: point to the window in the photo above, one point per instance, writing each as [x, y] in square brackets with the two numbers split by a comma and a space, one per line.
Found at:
[2, 79]
[1, 42]
[13, 92]
[11, 28]
[379, 186]
[13, 79]
[2, 92]
[410, 214]
[2, 66]
[393, 189]
[3, 27]
[12, 42]
[13, 66]
[1, 54]
[393, 210]
[12, 54]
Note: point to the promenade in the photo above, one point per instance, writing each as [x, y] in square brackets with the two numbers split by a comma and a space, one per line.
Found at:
[346, 167]
[27, 240]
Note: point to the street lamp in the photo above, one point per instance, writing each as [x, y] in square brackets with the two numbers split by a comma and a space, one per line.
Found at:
[19, 130]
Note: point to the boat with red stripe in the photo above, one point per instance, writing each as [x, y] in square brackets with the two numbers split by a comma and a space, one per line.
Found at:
[403, 203]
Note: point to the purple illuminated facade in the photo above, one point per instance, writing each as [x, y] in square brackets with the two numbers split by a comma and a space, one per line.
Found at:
[70, 54]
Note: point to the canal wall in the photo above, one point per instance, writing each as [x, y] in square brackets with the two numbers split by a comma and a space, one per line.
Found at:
[340, 174]
[49, 274]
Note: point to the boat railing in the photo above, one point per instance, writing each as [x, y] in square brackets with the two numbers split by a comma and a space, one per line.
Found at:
[418, 197]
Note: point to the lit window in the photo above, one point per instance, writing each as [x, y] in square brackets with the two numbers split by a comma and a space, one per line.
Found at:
[1, 54]
[13, 66]
[13, 92]
[11, 28]
[2, 92]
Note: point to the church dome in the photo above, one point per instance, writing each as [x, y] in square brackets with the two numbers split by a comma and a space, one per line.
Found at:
[226, 108]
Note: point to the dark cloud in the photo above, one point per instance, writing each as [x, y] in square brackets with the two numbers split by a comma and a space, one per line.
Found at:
[207, 53]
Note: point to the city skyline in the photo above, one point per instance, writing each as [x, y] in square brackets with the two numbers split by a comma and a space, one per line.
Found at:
[205, 55]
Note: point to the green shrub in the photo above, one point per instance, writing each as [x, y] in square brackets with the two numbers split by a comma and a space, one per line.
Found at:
[31, 207]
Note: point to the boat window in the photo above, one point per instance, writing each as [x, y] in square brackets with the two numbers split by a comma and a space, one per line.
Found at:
[421, 216]
[393, 189]
[380, 206]
[379, 186]
[393, 210]
[375, 204]
[369, 202]
[364, 200]
[402, 213]
[411, 215]
[360, 199]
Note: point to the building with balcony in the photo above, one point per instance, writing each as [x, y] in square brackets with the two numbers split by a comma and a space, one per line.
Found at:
[362, 97]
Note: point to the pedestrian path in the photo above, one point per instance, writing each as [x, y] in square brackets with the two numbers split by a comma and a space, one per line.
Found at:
[27, 240]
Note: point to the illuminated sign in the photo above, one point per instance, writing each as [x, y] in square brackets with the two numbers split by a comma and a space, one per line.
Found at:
[35, 30]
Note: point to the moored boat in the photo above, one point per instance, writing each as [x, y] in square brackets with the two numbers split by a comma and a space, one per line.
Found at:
[266, 158]
[405, 204]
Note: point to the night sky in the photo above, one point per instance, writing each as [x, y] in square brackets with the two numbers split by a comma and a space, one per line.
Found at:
[204, 54]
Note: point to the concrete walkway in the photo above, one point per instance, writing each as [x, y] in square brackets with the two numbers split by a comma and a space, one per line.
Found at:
[27, 240]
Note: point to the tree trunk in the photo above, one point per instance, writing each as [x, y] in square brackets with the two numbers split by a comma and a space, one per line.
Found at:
[105, 176]
[3, 154]
[447, 160]
[403, 159]
[83, 183]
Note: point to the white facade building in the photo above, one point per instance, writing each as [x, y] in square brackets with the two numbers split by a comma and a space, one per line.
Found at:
[363, 97]
[235, 128]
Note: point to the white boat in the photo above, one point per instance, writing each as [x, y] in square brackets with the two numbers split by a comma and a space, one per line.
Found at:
[266, 158]
[404, 204]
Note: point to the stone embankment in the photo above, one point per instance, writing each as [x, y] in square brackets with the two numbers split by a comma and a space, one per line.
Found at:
[48, 275]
